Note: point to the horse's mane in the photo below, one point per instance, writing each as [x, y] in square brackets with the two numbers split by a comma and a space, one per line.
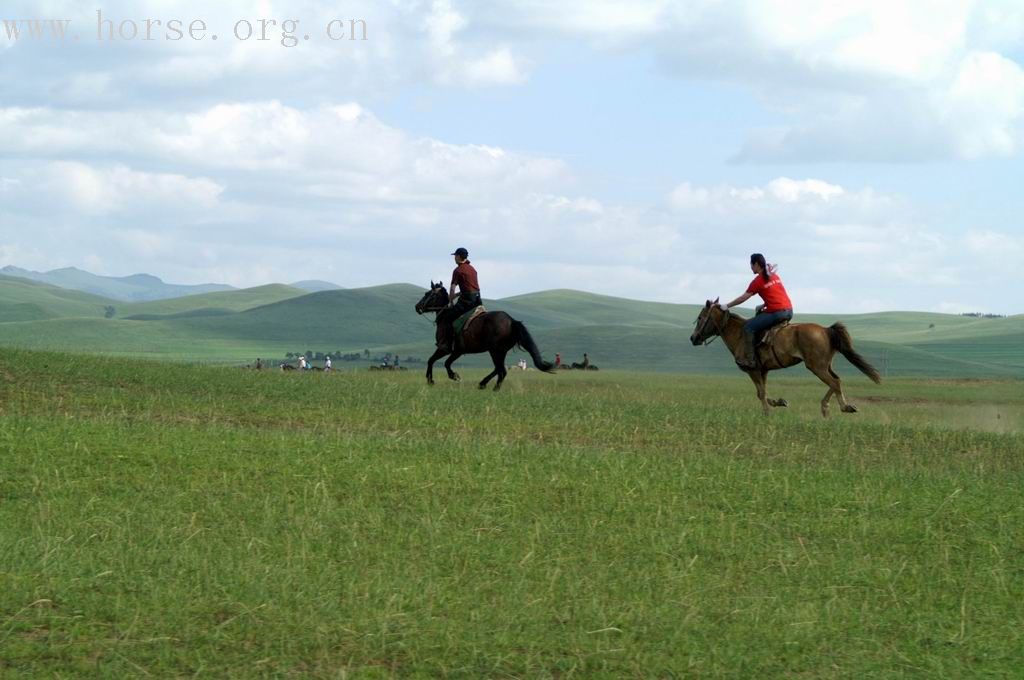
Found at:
[733, 316]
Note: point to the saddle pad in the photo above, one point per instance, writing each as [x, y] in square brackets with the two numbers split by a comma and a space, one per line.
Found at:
[768, 337]
[463, 321]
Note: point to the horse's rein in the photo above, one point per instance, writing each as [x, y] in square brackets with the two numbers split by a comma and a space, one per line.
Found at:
[707, 341]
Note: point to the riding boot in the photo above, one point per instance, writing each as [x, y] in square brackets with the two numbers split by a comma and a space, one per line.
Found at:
[444, 336]
[747, 359]
[455, 344]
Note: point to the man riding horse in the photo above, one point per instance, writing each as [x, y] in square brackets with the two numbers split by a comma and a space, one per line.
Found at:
[493, 332]
[465, 279]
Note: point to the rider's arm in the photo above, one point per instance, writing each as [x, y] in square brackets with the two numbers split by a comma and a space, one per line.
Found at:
[740, 300]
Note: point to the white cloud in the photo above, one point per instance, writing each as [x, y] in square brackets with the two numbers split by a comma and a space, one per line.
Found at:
[865, 81]
[199, 195]
[89, 190]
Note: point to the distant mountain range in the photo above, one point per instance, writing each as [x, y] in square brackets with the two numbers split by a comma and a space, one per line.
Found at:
[134, 288]
[236, 326]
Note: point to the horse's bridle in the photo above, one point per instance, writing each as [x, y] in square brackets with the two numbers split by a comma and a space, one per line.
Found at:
[718, 329]
[433, 309]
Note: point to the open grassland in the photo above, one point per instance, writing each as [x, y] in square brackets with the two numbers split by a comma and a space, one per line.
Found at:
[171, 520]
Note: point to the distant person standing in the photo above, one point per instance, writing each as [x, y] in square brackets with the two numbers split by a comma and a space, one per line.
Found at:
[586, 361]
[327, 363]
[302, 363]
[558, 360]
[396, 361]
[259, 363]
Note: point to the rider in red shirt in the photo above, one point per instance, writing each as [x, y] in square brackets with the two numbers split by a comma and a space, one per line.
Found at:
[776, 309]
[465, 279]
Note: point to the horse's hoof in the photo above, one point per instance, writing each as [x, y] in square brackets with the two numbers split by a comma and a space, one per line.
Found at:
[781, 403]
[497, 387]
[482, 386]
[456, 377]
[849, 408]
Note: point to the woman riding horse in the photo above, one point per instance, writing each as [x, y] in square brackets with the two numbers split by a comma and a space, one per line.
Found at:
[776, 309]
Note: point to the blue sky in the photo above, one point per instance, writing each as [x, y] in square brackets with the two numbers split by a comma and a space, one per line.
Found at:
[872, 149]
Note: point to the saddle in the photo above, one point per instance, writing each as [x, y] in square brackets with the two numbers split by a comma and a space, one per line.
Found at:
[464, 322]
[767, 338]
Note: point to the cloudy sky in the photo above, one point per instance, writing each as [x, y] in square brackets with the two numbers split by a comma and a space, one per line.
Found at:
[873, 149]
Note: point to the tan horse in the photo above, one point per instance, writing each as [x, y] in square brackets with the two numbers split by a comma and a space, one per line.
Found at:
[808, 342]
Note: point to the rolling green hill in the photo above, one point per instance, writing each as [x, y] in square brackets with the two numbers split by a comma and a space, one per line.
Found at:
[25, 300]
[268, 321]
[226, 301]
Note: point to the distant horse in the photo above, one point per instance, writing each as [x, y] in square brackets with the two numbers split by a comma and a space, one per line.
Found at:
[808, 342]
[583, 367]
[493, 332]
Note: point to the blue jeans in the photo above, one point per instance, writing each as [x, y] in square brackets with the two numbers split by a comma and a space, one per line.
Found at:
[761, 322]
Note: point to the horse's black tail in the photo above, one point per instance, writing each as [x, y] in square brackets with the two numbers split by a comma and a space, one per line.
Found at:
[525, 342]
[839, 337]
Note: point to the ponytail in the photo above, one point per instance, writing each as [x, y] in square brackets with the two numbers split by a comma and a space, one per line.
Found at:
[766, 272]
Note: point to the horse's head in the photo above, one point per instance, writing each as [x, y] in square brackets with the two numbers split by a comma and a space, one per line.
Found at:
[709, 323]
[434, 300]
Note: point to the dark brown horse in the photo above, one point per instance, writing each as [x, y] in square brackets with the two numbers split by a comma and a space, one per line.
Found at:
[811, 343]
[493, 332]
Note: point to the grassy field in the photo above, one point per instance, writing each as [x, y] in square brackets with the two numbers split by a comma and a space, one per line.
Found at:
[169, 520]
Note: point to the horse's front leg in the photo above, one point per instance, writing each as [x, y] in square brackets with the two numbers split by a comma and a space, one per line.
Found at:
[452, 375]
[762, 391]
[777, 403]
[438, 353]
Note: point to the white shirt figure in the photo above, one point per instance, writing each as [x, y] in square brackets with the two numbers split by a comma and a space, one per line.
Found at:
[302, 363]
[327, 363]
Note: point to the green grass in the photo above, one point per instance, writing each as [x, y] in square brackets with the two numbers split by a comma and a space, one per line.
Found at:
[170, 520]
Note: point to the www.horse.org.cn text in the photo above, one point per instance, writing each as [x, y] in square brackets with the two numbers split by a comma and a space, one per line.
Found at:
[112, 30]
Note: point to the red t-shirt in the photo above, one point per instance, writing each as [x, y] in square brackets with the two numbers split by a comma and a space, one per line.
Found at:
[465, 277]
[772, 292]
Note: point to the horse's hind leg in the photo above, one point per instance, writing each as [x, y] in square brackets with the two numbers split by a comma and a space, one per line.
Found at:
[499, 366]
[829, 377]
[845, 406]
[496, 372]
